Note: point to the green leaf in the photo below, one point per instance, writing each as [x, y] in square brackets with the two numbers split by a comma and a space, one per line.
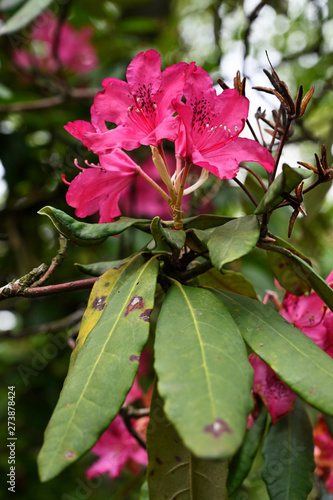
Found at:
[233, 240]
[102, 292]
[282, 268]
[307, 273]
[102, 374]
[203, 372]
[300, 363]
[99, 268]
[241, 463]
[227, 280]
[83, 233]
[175, 239]
[284, 183]
[173, 469]
[205, 221]
[27, 13]
[288, 454]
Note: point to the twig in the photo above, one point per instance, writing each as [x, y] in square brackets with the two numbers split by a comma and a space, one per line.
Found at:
[246, 191]
[127, 421]
[49, 102]
[56, 262]
[52, 327]
[255, 175]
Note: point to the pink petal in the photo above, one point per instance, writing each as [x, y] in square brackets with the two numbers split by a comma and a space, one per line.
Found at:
[78, 128]
[99, 188]
[144, 72]
[103, 143]
[224, 162]
[277, 396]
[112, 103]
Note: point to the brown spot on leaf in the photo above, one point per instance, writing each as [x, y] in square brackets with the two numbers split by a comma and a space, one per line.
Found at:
[136, 302]
[99, 303]
[145, 315]
[158, 461]
[133, 357]
[69, 454]
[217, 428]
[178, 459]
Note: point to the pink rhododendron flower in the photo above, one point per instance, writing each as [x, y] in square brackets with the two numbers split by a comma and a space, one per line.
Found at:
[311, 315]
[98, 188]
[211, 124]
[116, 449]
[276, 395]
[141, 107]
[323, 453]
[75, 51]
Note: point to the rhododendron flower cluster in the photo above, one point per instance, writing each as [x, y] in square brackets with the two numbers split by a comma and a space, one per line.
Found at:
[75, 52]
[147, 109]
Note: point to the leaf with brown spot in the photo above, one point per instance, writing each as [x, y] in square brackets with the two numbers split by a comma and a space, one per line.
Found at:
[205, 373]
[101, 376]
[173, 471]
[101, 293]
[135, 303]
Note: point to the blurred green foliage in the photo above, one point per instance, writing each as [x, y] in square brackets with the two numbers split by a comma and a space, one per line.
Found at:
[222, 37]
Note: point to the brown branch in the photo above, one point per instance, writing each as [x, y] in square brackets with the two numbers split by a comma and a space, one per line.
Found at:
[19, 289]
[49, 102]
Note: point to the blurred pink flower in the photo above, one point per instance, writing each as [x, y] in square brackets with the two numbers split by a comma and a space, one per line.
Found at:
[278, 398]
[323, 453]
[312, 317]
[141, 107]
[211, 124]
[75, 51]
[98, 188]
[117, 448]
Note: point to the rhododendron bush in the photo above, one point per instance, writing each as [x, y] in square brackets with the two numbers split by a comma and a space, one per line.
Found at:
[180, 371]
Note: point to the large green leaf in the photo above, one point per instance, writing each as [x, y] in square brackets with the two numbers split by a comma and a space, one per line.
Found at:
[27, 13]
[173, 471]
[102, 374]
[300, 363]
[284, 183]
[83, 233]
[233, 240]
[241, 463]
[306, 273]
[203, 372]
[288, 454]
[101, 294]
